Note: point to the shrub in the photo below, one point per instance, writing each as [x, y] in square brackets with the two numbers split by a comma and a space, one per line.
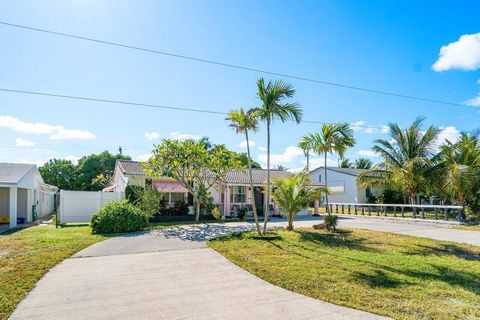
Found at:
[133, 193]
[330, 222]
[216, 214]
[242, 213]
[118, 217]
[150, 201]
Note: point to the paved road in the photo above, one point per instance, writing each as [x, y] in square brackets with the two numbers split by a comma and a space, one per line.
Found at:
[172, 274]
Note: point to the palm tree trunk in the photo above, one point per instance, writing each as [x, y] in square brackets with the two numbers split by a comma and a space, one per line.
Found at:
[197, 210]
[308, 160]
[255, 216]
[327, 207]
[267, 200]
[290, 222]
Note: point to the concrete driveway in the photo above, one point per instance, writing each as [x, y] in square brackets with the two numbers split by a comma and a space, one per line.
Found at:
[172, 274]
[166, 274]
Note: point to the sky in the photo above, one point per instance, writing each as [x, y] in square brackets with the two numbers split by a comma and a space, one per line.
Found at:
[416, 48]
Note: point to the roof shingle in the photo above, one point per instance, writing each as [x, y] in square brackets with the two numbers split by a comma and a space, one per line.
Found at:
[11, 173]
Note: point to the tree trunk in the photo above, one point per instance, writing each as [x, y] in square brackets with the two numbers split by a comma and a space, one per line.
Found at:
[327, 207]
[290, 222]
[254, 207]
[308, 160]
[267, 200]
[197, 210]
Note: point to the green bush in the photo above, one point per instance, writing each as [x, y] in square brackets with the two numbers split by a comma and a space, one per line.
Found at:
[242, 213]
[216, 214]
[133, 193]
[151, 201]
[118, 217]
[330, 222]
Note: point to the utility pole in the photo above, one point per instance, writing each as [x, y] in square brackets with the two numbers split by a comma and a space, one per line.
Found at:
[120, 150]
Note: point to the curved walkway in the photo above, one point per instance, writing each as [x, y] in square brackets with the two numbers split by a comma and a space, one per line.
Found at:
[166, 274]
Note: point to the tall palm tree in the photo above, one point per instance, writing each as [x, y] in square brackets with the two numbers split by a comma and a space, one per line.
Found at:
[346, 163]
[406, 159]
[243, 122]
[333, 138]
[273, 108]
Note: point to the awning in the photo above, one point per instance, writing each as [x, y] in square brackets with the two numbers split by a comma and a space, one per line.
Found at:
[169, 186]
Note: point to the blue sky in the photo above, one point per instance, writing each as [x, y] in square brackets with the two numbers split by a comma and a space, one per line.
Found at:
[384, 45]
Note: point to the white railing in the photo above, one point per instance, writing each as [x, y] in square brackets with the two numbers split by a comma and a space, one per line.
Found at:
[398, 210]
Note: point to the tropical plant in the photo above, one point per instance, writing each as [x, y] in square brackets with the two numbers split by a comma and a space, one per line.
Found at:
[406, 160]
[330, 221]
[363, 163]
[192, 165]
[118, 217]
[294, 194]
[346, 163]
[150, 201]
[333, 138]
[243, 122]
[272, 96]
[216, 214]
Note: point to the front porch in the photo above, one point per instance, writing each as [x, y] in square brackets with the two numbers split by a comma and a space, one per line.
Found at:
[233, 197]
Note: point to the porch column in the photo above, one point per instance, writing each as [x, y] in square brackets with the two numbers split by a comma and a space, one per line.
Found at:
[227, 200]
[315, 206]
[29, 205]
[13, 207]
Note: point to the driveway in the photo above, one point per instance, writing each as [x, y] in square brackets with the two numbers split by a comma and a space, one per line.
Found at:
[172, 274]
[166, 274]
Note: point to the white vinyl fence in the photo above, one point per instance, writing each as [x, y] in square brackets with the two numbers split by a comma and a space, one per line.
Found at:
[79, 206]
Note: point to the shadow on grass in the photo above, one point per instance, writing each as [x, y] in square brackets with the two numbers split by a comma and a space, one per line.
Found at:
[378, 278]
[445, 249]
[340, 238]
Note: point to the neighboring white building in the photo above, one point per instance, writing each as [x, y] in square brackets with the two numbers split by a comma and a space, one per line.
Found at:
[344, 181]
[24, 194]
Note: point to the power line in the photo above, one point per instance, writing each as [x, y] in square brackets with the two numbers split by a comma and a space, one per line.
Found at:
[148, 105]
[235, 66]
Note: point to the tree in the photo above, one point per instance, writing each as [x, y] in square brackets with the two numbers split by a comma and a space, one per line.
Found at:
[244, 159]
[243, 122]
[91, 167]
[294, 194]
[192, 165]
[60, 173]
[363, 163]
[273, 108]
[333, 138]
[406, 160]
[346, 163]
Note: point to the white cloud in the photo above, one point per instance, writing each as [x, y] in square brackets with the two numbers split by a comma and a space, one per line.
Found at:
[367, 153]
[447, 133]
[474, 102]
[152, 135]
[24, 143]
[56, 132]
[243, 144]
[73, 159]
[143, 157]
[314, 163]
[463, 54]
[183, 136]
[362, 126]
[286, 158]
[263, 149]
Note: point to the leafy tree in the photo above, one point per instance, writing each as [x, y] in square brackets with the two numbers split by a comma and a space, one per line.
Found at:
[244, 159]
[192, 165]
[333, 138]
[346, 163]
[60, 173]
[406, 160]
[91, 167]
[294, 194]
[363, 163]
[243, 122]
[272, 96]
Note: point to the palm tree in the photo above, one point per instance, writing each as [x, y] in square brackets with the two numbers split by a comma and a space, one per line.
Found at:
[243, 122]
[346, 163]
[363, 163]
[294, 194]
[272, 95]
[406, 159]
[333, 138]
[457, 160]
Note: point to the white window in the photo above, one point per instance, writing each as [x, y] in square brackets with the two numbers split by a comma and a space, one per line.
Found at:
[238, 194]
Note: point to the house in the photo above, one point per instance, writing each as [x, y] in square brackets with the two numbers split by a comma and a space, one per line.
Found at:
[24, 196]
[232, 193]
[344, 182]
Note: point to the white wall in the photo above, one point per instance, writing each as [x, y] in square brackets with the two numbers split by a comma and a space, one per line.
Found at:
[79, 206]
[350, 192]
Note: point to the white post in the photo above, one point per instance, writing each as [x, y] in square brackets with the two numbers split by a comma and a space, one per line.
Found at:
[13, 207]
[29, 205]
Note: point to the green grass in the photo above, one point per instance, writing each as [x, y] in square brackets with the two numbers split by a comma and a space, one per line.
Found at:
[475, 227]
[393, 275]
[27, 254]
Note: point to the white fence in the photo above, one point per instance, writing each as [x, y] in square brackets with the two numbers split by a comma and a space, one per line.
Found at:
[79, 206]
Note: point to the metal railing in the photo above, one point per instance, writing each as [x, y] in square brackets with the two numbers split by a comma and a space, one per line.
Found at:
[397, 210]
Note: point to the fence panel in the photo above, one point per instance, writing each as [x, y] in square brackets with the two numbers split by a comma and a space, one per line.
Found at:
[79, 206]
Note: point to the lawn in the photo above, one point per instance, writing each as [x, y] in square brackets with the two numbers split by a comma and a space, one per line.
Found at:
[393, 275]
[27, 254]
[475, 227]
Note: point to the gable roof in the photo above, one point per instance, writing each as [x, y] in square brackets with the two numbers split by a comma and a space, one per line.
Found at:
[12, 173]
[130, 167]
[259, 176]
[349, 171]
